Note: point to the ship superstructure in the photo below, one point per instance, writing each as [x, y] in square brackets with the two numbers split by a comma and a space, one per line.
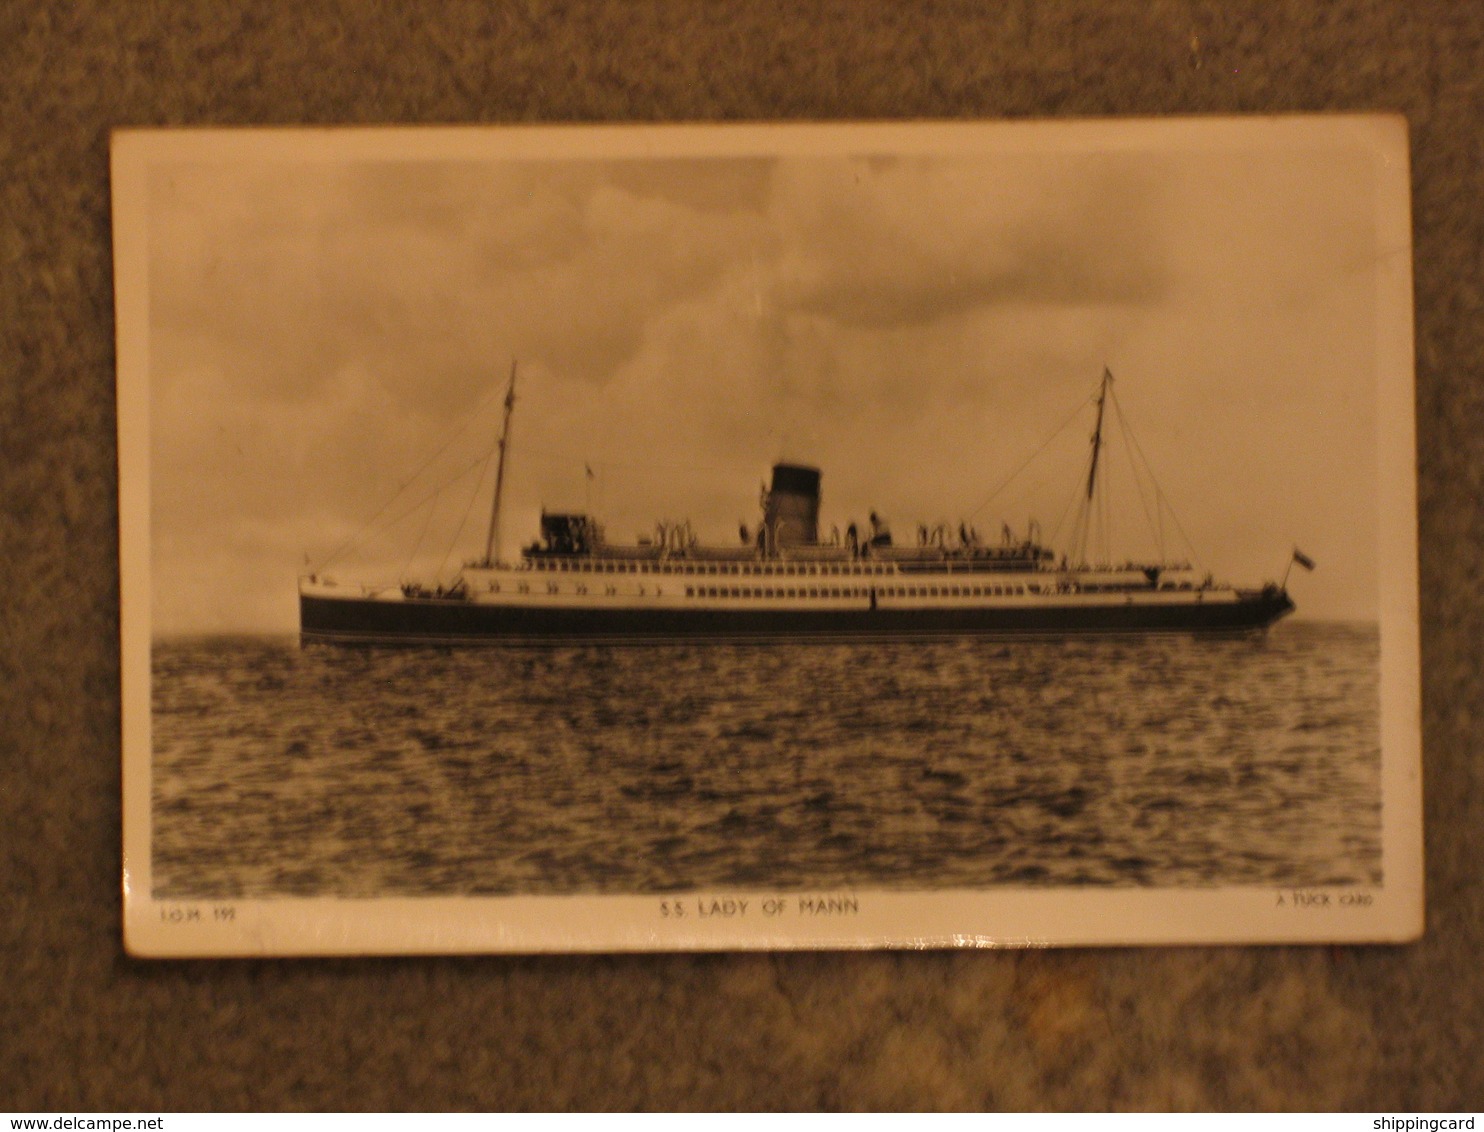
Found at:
[782, 580]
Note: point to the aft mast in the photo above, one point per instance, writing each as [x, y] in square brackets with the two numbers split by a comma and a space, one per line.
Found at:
[492, 541]
[1097, 435]
[1082, 529]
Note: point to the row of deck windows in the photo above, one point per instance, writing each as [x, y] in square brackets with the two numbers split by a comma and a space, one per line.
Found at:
[598, 566]
[856, 591]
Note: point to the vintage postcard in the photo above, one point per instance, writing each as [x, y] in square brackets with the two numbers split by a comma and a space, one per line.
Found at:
[767, 536]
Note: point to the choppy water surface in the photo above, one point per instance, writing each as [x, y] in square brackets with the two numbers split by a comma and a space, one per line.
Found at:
[282, 770]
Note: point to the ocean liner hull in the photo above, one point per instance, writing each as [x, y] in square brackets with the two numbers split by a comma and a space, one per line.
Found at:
[784, 580]
[432, 621]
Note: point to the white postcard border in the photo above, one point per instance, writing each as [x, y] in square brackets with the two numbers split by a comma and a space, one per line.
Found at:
[717, 920]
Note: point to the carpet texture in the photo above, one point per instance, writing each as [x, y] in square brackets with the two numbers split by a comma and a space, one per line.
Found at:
[83, 1027]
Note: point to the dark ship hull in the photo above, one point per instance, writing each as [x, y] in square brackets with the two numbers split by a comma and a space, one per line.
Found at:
[433, 621]
[784, 582]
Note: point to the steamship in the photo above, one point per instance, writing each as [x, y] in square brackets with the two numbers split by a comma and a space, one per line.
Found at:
[782, 581]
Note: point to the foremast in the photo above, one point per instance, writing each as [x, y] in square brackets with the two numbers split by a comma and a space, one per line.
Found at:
[492, 540]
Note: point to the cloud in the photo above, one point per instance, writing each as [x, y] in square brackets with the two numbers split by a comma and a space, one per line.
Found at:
[914, 326]
[919, 241]
[429, 277]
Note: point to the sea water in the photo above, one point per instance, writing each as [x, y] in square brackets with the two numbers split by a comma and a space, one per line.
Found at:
[281, 769]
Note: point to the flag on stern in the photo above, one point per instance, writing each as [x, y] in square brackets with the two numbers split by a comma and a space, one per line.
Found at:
[1303, 559]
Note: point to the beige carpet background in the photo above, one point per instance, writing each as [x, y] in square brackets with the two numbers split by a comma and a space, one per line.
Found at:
[83, 1027]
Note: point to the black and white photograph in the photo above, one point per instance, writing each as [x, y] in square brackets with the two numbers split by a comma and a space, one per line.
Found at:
[621, 538]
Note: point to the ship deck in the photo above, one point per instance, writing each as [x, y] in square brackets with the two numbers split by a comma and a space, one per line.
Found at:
[692, 613]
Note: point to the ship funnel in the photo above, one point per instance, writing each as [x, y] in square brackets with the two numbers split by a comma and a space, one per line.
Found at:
[791, 506]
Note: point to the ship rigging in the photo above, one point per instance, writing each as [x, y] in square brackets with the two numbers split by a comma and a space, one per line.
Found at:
[782, 580]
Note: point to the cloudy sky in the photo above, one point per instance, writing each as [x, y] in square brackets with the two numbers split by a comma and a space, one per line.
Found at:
[327, 330]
